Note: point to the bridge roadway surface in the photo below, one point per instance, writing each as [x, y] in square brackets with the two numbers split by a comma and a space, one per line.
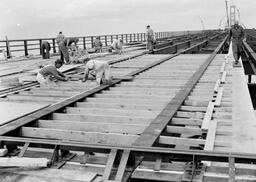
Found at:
[216, 116]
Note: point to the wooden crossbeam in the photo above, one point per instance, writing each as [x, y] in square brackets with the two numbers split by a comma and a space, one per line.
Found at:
[23, 150]
[178, 141]
[110, 163]
[90, 137]
[210, 138]
[122, 165]
[208, 116]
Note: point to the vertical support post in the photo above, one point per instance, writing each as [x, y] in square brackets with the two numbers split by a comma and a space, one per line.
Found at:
[249, 78]
[106, 41]
[122, 37]
[232, 169]
[138, 37]
[111, 38]
[84, 42]
[126, 38]
[130, 37]
[26, 47]
[53, 46]
[92, 41]
[40, 46]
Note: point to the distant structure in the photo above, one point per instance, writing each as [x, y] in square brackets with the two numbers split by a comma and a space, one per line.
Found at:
[232, 14]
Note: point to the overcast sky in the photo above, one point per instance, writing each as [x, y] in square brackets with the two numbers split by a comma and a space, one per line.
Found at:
[45, 18]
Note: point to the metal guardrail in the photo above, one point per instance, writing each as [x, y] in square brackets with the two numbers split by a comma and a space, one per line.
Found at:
[26, 46]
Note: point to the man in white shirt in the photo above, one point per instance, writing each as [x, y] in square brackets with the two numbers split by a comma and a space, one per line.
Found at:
[101, 70]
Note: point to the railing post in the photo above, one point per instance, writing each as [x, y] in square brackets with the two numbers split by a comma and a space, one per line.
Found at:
[138, 37]
[92, 41]
[84, 42]
[26, 47]
[130, 37]
[111, 38]
[40, 45]
[126, 38]
[116, 36]
[122, 37]
[7, 49]
[53, 46]
[106, 41]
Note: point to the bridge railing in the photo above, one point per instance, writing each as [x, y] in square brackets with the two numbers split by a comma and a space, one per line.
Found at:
[21, 47]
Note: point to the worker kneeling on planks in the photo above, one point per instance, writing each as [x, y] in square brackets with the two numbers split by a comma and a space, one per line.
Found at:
[49, 73]
[98, 69]
[116, 45]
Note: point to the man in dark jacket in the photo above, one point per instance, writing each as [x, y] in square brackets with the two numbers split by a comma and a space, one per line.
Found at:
[237, 36]
[45, 47]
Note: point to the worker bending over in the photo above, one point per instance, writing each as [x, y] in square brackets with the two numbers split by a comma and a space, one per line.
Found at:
[98, 69]
[45, 48]
[63, 47]
[49, 73]
[237, 36]
[117, 45]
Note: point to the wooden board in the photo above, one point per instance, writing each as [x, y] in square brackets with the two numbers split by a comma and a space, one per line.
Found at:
[23, 162]
[14, 110]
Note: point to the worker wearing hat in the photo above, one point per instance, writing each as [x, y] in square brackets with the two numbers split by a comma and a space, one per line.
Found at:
[98, 69]
[50, 73]
[150, 36]
[63, 47]
[237, 36]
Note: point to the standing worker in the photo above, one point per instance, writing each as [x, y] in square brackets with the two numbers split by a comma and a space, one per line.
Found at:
[101, 69]
[63, 47]
[97, 45]
[237, 36]
[60, 38]
[50, 72]
[116, 45]
[45, 47]
[150, 36]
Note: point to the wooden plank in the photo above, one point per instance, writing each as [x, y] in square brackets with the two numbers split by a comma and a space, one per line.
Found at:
[156, 176]
[179, 141]
[158, 163]
[109, 165]
[183, 130]
[186, 121]
[93, 126]
[101, 118]
[223, 77]
[210, 138]
[23, 150]
[122, 165]
[14, 110]
[222, 67]
[208, 116]
[112, 112]
[192, 108]
[216, 87]
[53, 174]
[71, 135]
[23, 162]
[219, 97]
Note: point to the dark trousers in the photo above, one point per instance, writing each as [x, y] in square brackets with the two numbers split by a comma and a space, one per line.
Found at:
[45, 51]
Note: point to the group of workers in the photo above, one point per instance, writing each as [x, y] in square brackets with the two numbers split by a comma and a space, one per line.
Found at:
[100, 70]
